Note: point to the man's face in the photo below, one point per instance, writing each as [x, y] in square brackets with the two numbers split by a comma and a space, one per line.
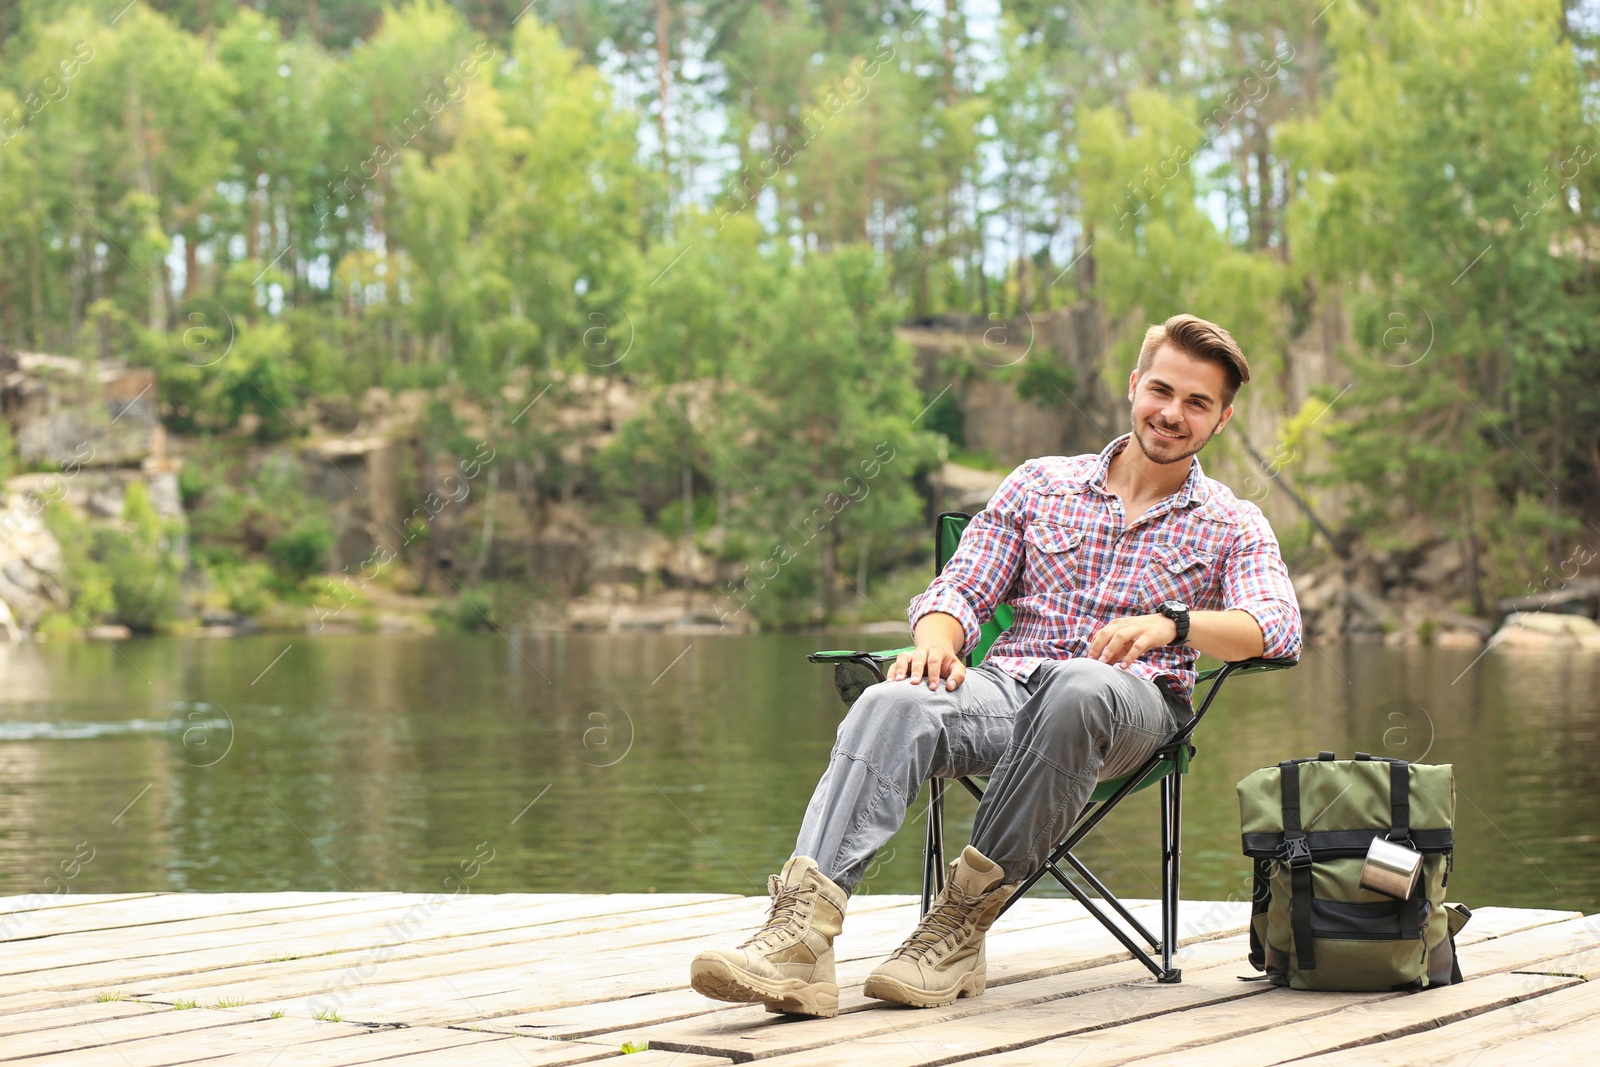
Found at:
[1177, 405]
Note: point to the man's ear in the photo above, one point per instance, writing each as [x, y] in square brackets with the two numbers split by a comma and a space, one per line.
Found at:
[1226, 415]
[1133, 384]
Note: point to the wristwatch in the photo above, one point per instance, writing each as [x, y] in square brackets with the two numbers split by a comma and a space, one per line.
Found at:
[1178, 612]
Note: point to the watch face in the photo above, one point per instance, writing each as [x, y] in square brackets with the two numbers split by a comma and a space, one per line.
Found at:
[1174, 605]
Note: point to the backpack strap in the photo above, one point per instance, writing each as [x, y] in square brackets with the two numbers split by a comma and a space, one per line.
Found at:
[1260, 902]
[1297, 854]
[1411, 911]
[1399, 801]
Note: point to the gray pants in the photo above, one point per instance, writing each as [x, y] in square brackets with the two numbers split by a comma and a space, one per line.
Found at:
[1045, 744]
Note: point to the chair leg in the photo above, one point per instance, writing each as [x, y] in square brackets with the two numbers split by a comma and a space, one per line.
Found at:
[1171, 851]
[933, 848]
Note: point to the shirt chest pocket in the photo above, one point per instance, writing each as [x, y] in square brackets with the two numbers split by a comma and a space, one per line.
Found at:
[1178, 572]
[1053, 563]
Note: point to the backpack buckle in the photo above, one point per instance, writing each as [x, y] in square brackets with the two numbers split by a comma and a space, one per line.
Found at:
[1296, 852]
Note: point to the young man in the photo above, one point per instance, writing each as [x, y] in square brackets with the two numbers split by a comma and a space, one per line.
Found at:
[1120, 568]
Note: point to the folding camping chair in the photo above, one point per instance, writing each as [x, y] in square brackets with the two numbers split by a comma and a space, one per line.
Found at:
[854, 671]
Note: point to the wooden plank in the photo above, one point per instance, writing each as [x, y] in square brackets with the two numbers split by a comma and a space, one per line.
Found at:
[82, 1014]
[1014, 1019]
[120, 1032]
[1076, 943]
[479, 991]
[22, 903]
[1479, 962]
[1279, 1026]
[1490, 922]
[741, 1032]
[750, 1032]
[422, 917]
[513, 1053]
[612, 970]
[367, 1047]
[1562, 1026]
[263, 1036]
[163, 908]
[284, 1041]
[1531, 946]
[427, 931]
[1585, 965]
[502, 966]
[66, 949]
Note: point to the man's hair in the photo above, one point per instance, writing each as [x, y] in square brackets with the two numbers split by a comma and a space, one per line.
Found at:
[1196, 337]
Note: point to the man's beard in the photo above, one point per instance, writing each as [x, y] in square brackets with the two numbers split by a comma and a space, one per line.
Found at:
[1166, 457]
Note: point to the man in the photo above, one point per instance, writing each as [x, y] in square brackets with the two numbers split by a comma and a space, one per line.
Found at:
[1120, 568]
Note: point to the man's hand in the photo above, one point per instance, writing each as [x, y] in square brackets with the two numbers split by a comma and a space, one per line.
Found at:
[938, 638]
[1122, 641]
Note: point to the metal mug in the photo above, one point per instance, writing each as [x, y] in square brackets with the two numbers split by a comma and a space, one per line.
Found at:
[1391, 869]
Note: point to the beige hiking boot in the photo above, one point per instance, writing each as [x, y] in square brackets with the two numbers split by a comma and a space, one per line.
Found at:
[943, 958]
[788, 963]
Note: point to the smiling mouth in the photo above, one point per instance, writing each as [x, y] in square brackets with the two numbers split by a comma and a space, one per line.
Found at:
[1165, 434]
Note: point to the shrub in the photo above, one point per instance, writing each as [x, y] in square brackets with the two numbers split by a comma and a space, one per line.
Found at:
[302, 549]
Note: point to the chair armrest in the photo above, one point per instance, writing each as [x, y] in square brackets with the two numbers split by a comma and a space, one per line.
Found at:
[1246, 666]
[886, 655]
[854, 671]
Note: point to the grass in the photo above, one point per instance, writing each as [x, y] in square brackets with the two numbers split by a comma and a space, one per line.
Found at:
[630, 1047]
[182, 1005]
[111, 997]
[275, 1014]
[327, 1016]
[229, 1002]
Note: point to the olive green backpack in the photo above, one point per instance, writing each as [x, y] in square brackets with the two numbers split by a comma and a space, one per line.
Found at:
[1308, 824]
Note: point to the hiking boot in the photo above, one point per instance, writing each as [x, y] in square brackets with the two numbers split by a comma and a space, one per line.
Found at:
[788, 963]
[943, 958]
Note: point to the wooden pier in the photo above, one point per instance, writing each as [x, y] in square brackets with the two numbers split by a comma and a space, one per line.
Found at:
[329, 979]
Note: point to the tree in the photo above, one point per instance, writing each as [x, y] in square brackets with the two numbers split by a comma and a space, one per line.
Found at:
[1449, 234]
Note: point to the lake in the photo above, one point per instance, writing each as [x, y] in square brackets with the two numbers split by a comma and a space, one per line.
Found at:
[636, 762]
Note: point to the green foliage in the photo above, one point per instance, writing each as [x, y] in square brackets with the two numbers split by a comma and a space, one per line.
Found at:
[85, 581]
[245, 588]
[830, 456]
[302, 549]
[141, 563]
[1466, 356]
[452, 197]
[944, 417]
[8, 452]
[474, 611]
[1047, 382]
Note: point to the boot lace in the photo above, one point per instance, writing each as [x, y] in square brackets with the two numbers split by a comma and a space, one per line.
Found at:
[784, 914]
[947, 922]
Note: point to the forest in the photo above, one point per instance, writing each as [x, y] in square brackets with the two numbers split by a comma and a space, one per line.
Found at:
[730, 210]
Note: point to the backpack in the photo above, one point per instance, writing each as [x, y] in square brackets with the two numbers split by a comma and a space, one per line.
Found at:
[1308, 825]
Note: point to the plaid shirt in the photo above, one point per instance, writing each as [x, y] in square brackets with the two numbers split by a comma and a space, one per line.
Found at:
[1053, 544]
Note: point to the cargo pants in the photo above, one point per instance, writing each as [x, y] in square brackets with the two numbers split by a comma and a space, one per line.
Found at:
[1044, 743]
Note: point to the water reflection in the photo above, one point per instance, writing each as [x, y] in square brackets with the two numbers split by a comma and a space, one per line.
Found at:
[596, 763]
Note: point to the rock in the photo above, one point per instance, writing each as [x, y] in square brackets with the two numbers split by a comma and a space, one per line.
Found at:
[967, 488]
[1439, 566]
[220, 622]
[1580, 596]
[30, 562]
[1526, 629]
[111, 632]
[399, 622]
[1370, 614]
